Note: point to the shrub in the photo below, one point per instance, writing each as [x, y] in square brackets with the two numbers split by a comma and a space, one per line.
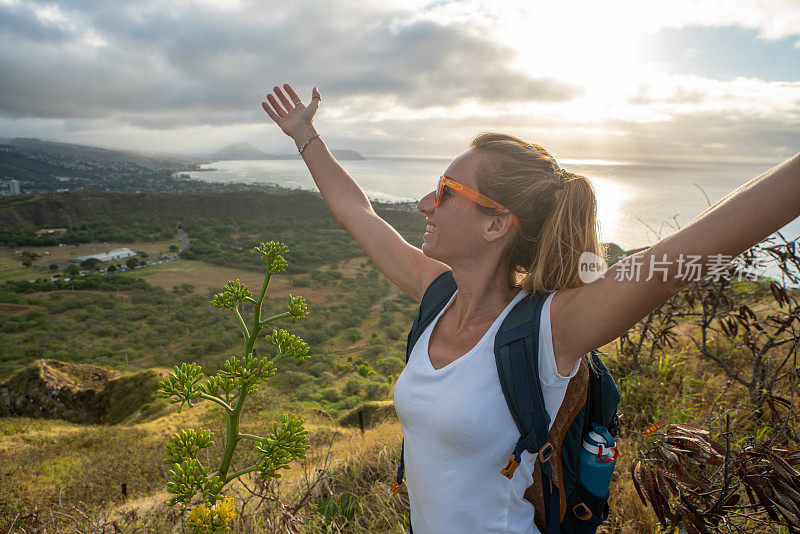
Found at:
[365, 370]
[376, 390]
[330, 394]
[353, 334]
[355, 386]
[394, 332]
[390, 365]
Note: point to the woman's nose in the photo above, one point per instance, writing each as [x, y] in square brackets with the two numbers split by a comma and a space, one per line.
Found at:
[425, 205]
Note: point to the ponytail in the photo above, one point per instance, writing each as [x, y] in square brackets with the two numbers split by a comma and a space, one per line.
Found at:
[569, 231]
[557, 211]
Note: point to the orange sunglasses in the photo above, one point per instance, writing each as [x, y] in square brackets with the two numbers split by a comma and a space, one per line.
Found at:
[473, 195]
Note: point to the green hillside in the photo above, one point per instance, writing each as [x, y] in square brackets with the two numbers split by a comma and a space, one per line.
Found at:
[222, 227]
[712, 352]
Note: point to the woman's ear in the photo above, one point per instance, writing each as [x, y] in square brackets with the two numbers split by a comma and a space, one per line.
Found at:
[499, 226]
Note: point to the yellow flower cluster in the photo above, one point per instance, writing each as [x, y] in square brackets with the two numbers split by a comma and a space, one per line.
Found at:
[214, 519]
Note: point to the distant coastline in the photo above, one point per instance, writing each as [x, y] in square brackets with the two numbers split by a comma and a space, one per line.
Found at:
[638, 202]
[246, 151]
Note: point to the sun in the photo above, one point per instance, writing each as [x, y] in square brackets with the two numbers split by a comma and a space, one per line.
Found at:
[602, 54]
[589, 45]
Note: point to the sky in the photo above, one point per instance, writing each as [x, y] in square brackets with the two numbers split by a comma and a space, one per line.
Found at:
[616, 80]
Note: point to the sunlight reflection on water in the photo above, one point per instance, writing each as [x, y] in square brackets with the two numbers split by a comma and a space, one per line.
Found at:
[638, 203]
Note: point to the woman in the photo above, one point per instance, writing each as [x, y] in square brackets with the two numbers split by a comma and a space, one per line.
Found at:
[508, 221]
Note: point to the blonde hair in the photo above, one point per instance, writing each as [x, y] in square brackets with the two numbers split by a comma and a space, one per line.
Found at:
[556, 209]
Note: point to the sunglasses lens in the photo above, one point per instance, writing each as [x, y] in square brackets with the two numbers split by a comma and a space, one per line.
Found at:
[439, 188]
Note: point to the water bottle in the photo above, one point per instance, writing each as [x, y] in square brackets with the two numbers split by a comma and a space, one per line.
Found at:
[598, 457]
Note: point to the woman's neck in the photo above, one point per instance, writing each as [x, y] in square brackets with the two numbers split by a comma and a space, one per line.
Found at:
[482, 294]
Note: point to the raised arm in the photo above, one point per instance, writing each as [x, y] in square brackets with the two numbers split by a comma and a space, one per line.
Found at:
[405, 265]
[590, 316]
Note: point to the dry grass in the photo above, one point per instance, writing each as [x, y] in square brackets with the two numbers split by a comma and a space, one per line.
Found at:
[71, 475]
[204, 276]
[12, 269]
[346, 478]
[199, 274]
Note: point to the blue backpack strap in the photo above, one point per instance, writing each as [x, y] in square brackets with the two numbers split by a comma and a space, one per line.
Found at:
[516, 350]
[517, 357]
[435, 298]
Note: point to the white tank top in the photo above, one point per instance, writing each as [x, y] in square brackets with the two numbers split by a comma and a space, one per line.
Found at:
[459, 434]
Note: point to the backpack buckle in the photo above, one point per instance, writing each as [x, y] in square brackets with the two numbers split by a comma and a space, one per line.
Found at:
[545, 452]
[582, 512]
[508, 470]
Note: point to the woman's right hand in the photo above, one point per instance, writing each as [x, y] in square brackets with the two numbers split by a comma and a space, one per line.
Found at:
[290, 113]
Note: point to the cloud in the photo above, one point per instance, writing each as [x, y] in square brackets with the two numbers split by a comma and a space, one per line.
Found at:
[405, 76]
[774, 20]
[682, 93]
[162, 65]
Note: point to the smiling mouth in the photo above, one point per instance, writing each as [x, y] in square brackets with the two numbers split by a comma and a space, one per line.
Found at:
[430, 229]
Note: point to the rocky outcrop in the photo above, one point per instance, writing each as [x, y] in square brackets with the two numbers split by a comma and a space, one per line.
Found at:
[76, 392]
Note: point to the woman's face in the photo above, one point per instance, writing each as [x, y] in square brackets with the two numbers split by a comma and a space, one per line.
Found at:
[455, 226]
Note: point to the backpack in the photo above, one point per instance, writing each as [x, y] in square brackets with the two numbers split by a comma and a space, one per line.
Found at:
[561, 502]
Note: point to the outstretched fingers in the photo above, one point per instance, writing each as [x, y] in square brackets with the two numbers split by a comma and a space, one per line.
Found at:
[272, 115]
[285, 101]
[278, 109]
[292, 95]
[287, 109]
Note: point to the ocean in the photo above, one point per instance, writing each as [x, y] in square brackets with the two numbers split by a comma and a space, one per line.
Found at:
[638, 203]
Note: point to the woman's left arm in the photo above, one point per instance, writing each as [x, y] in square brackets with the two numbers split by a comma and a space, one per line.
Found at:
[590, 316]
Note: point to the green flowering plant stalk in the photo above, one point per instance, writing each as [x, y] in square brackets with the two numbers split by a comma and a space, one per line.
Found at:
[229, 388]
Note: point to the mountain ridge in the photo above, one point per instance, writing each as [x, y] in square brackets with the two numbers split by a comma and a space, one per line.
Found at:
[93, 153]
[246, 151]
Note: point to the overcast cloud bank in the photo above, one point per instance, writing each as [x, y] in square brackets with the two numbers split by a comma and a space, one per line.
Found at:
[395, 78]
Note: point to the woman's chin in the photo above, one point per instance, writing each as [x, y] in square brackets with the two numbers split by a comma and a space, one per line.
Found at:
[429, 250]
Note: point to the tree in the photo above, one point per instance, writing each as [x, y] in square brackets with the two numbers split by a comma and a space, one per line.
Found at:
[132, 262]
[90, 263]
[173, 248]
[72, 270]
[727, 327]
[53, 267]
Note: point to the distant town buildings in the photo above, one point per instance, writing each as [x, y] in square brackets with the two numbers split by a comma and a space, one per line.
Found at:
[9, 188]
[116, 254]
